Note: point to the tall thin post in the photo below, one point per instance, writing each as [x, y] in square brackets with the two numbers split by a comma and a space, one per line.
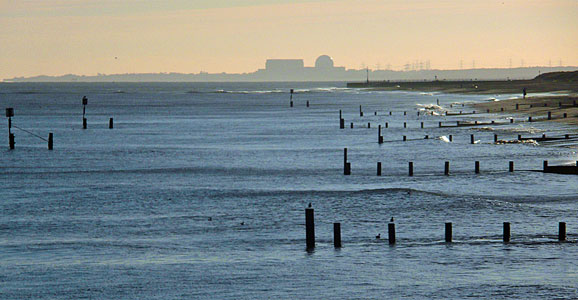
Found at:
[291, 98]
[562, 231]
[511, 166]
[411, 168]
[9, 115]
[379, 137]
[448, 232]
[360, 112]
[545, 165]
[378, 168]
[471, 139]
[310, 227]
[506, 232]
[477, 167]
[391, 233]
[495, 138]
[337, 235]
[84, 103]
[447, 168]
[110, 123]
[50, 141]
[346, 165]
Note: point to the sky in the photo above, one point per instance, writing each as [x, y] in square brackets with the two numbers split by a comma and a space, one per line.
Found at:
[87, 37]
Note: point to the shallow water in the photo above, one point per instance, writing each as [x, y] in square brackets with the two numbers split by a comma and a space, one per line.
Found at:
[124, 213]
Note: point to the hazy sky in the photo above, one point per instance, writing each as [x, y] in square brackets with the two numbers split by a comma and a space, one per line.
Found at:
[55, 37]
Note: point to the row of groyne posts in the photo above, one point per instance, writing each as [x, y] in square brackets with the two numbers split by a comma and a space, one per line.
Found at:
[50, 140]
[546, 167]
[310, 231]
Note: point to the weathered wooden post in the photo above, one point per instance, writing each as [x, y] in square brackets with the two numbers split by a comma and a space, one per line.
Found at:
[404, 124]
[351, 125]
[404, 138]
[386, 125]
[310, 227]
[477, 167]
[341, 123]
[375, 113]
[390, 113]
[566, 136]
[307, 103]
[447, 168]
[405, 113]
[506, 232]
[471, 139]
[549, 115]
[519, 137]
[379, 136]
[378, 168]
[545, 165]
[84, 103]
[110, 123]
[517, 106]
[368, 125]
[291, 98]
[421, 124]
[565, 115]
[426, 137]
[529, 119]
[451, 138]
[448, 232]
[495, 138]
[346, 165]
[9, 115]
[50, 141]
[511, 166]
[562, 231]
[360, 112]
[337, 235]
[411, 168]
[440, 124]
[391, 233]
[511, 121]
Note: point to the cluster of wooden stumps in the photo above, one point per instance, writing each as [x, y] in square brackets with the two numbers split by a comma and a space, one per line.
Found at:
[291, 99]
[50, 140]
[310, 231]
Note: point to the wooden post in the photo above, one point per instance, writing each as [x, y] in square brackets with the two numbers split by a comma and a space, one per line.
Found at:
[352, 125]
[549, 115]
[337, 235]
[566, 136]
[360, 112]
[404, 138]
[310, 227]
[440, 124]
[368, 125]
[565, 115]
[405, 113]
[451, 138]
[477, 167]
[84, 123]
[307, 103]
[390, 113]
[110, 123]
[545, 165]
[391, 233]
[84, 103]
[511, 121]
[11, 141]
[291, 98]
[340, 116]
[341, 123]
[404, 124]
[519, 137]
[379, 136]
[426, 137]
[386, 124]
[378, 168]
[471, 138]
[517, 106]
[447, 168]
[511, 167]
[375, 113]
[562, 231]
[421, 124]
[346, 165]
[506, 232]
[411, 168]
[448, 232]
[529, 119]
[502, 109]
[495, 138]
[50, 141]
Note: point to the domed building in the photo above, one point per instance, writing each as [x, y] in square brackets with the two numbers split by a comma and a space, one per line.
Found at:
[324, 62]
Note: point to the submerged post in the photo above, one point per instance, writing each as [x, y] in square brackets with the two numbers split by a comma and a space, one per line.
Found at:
[549, 115]
[346, 165]
[545, 165]
[562, 231]
[291, 98]
[447, 168]
[368, 125]
[379, 136]
[448, 232]
[477, 167]
[506, 232]
[50, 141]
[471, 139]
[337, 235]
[378, 168]
[495, 138]
[404, 124]
[307, 103]
[451, 138]
[351, 125]
[511, 166]
[9, 115]
[386, 125]
[360, 112]
[110, 123]
[391, 233]
[421, 124]
[310, 227]
[411, 168]
[404, 138]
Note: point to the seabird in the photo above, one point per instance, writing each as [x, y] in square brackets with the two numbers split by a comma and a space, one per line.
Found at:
[309, 204]
[378, 236]
[391, 219]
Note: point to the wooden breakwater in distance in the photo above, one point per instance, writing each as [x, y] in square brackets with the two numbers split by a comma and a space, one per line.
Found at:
[391, 234]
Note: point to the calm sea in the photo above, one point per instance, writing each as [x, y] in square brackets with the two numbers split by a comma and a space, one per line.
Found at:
[199, 192]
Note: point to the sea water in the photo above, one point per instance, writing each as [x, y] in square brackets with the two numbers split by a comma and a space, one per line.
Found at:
[199, 192]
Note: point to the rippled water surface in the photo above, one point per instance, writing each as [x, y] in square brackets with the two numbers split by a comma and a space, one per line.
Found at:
[199, 193]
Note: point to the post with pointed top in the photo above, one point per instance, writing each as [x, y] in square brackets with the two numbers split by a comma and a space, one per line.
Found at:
[337, 235]
[391, 233]
[561, 231]
[448, 232]
[50, 141]
[506, 232]
[310, 227]
[84, 103]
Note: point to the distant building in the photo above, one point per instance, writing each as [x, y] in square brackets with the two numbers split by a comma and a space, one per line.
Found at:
[294, 69]
[284, 65]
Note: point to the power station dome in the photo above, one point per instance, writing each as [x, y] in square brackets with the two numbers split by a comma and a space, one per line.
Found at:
[324, 62]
